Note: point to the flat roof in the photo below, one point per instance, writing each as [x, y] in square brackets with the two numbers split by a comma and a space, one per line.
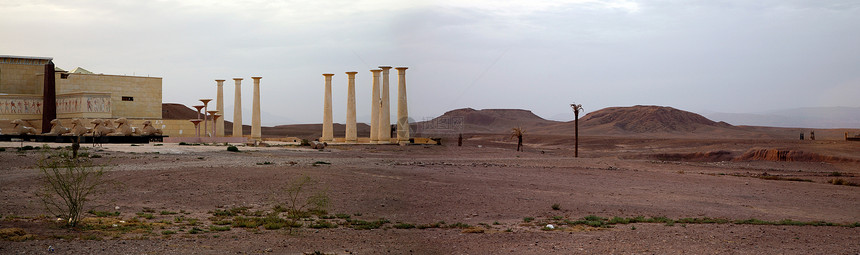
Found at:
[26, 57]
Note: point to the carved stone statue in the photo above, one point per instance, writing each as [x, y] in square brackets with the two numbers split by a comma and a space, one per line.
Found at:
[124, 128]
[100, 129]
[78, 128]
[57, 128]
[20, 129]
[148, 129]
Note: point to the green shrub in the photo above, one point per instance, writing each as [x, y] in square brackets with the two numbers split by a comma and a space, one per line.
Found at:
[556, 207]
[232, 148]
[219, 228]
[403, 226]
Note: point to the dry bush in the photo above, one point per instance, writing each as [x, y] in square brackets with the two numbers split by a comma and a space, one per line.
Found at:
[69, 182]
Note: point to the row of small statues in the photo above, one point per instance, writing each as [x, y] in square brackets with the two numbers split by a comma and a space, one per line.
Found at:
[102, 127]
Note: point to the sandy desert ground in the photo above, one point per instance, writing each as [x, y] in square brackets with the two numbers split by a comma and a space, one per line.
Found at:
[491, 199]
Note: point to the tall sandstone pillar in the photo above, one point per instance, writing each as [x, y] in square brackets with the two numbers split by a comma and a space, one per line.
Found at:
[219, 106]
[327, 132]
[375, 107]
[237, 108]
[402, 112]
[256, 132]
[384, 109]
[351, 133]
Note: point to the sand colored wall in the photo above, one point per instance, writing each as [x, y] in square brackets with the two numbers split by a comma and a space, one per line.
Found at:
[145, 91]
[22, 76]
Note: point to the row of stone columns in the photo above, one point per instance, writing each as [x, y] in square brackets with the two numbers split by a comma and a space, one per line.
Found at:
[380, 129]
[256, 133]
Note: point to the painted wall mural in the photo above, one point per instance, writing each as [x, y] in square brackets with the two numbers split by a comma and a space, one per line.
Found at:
[20, 106]
[65, 104]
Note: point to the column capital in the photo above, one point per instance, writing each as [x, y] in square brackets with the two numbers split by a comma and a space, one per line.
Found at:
[237, 79]
[375, 71]
[401, 68]
[256, 78]
[384, 67]
[328, 74]
[351, 73]
[220, 80]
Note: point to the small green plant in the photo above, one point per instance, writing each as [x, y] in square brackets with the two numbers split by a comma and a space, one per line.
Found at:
[195, 230]
[167, 213]
[403, 226]
[528, 219]
[556, 207]
[298, 201]
[147, 216]
[232, 148]
[103, 213]
[264, 163]
[219, 228]
[496, 223]
[168, 232]
[323, 224]
[342, 216]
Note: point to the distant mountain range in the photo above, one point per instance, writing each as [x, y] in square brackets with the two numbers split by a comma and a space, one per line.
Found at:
[810, 117]
[635, 121]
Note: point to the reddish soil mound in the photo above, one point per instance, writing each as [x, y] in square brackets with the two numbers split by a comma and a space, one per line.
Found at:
[494, 120]
[170, 111]
[789, 155]
[643, 119]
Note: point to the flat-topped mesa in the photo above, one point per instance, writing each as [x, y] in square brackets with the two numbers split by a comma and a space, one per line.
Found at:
[384, 124]
[351, 132]
[327, 129]
[219, 106]
[237, 108]
[402, 112]
[256, 129]
[375, 107]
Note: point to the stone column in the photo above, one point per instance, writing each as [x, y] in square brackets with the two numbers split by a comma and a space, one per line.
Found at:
[351, 133]
[327, 132]
[219, 106]
[374, 107]
[237, 108]
[384, 109]
[402, 113]
[256, 133]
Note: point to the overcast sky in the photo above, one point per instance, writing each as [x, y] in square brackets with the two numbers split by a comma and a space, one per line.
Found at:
[725, 56]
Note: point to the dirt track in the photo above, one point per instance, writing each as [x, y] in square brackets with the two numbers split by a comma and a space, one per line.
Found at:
[476, 186]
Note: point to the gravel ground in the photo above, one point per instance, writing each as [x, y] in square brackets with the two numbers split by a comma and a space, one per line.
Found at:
[491, 188]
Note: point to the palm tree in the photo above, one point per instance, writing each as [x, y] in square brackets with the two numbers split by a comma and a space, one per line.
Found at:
[518, 133]
[576, 109]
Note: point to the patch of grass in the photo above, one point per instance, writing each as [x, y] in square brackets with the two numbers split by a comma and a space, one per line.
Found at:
[144, 215]
[431, 225]
[496, 223]
[235, 211]
[528, 219]
[556, 207]
[458, 225]
[195, 230]
[167, 213]
[323, 224]
[403, 226]
[219, 228]
[835, 174]
[365, 225]
[103, 213]
[342, 216]
[168, 232]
